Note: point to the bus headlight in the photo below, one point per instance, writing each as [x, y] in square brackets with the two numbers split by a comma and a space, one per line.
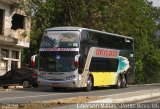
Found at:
[70, 77]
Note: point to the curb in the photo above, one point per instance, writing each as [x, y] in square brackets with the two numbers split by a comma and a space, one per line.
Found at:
[128, 99]
[139, 85]
[136, 98]
[11, 88]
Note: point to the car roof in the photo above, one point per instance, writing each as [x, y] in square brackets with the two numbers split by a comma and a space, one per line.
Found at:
[22, 70]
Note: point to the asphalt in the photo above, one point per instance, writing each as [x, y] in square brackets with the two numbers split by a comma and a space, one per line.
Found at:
[121, 98]
[130, 97]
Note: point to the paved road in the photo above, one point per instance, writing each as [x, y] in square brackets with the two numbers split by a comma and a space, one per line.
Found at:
[152, 103]
[153, 100]
[39, 94]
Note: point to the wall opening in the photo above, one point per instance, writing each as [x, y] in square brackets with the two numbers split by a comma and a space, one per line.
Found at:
[15, 54]
[4, 53]
[14, 64]
[18, 21]
[1, 21]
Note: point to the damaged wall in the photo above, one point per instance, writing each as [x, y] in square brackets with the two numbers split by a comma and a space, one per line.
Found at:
[15, 24]
[14, 35]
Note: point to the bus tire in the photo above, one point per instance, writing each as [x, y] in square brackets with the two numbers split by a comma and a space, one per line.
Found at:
[89, 86]
[5, 87]
[119, 82]
[124, 81]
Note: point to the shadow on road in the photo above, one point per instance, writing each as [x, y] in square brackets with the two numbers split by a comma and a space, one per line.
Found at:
[61, 90]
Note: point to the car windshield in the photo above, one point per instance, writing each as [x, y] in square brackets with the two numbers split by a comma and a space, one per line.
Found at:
[61, 39]
[57, 61]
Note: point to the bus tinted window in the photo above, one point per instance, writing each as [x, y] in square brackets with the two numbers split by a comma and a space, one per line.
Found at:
[109, 41]
[65, 39]
[103, 65]
[93, 38]
[57, 61]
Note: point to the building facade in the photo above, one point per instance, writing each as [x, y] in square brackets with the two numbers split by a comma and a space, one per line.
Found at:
[14, 35]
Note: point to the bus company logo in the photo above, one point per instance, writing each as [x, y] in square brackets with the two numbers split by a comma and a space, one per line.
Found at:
[107, 52]
[58, 49]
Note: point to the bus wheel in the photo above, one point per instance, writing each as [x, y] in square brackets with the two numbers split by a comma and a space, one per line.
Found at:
[124, 82]
[119, 82]
[5, 87]
[89, 84]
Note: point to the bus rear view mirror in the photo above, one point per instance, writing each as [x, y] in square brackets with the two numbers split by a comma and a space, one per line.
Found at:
[34, 61]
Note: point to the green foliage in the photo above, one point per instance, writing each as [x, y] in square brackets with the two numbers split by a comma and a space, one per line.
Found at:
[134, 18]
[139, 77]
[152, 65]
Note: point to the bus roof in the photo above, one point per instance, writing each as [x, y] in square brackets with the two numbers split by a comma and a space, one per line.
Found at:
[70, 28]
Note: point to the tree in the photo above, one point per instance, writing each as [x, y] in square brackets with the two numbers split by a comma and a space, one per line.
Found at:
[126, 17]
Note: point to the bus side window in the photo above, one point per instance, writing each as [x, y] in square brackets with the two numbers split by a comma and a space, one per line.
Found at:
[93, 41]
[105, 41]
[103, 65]
[81, 65]
[129, 44]
[81, 58]
[113, 65]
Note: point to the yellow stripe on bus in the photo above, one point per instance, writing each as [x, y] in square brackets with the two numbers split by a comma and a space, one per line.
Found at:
[104, 78]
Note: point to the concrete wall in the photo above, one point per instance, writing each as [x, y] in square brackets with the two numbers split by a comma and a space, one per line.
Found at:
[13, 39]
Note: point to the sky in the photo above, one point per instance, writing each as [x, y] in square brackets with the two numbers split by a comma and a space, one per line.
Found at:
[156, 3]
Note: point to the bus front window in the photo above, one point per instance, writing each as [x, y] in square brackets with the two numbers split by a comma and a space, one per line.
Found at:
[57, 61]
[60, 39]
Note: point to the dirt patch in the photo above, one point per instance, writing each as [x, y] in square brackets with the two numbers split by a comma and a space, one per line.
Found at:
[51, 103]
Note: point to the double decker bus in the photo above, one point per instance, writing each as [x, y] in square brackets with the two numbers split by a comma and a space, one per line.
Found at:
[75, 57]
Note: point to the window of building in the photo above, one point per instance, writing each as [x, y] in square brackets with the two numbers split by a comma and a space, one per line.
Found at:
[3, 67]
[14, 64]
[4, 53]
[1, 21]
[18, 22]
[15, 54]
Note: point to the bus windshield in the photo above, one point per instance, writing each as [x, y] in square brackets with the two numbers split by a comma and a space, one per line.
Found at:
[58, 61]
[61, 39]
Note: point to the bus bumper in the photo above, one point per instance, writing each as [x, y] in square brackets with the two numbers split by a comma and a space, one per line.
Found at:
[48, 83]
